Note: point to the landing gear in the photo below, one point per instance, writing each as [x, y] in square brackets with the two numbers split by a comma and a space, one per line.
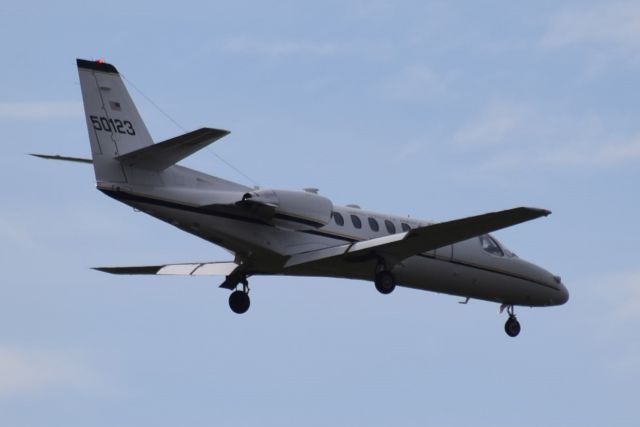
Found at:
[512, 326]
[384, 281]
[239, 301]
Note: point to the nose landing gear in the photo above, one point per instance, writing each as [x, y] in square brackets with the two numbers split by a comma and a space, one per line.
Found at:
[512, 326]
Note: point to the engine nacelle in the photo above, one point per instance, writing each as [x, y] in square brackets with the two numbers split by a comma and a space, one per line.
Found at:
[292, 209]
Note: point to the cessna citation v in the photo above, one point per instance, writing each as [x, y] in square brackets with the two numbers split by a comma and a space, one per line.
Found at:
[295, 233]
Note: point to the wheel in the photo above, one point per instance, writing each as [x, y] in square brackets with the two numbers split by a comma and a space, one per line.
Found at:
[385, 283]
[512, 327]
[239, 302]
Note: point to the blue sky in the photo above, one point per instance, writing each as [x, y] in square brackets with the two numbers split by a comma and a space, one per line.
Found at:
[434, 109]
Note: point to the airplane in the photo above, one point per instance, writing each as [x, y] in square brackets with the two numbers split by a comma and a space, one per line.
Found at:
[295, 233]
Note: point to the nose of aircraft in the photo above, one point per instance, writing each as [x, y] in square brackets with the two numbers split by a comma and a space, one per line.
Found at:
[563, 295]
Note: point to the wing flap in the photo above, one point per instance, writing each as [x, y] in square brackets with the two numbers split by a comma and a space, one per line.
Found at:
[162, 155]
[188, 269]
[320, 254]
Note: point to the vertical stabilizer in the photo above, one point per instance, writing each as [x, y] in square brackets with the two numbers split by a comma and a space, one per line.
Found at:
[114, 124]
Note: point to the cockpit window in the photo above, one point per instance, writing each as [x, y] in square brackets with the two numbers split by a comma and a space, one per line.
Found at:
[490, 245]
[337, 217]
[506, 251]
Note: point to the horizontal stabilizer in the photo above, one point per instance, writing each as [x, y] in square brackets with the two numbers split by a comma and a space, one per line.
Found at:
[397, 247]
[196, 269]
[65, 158]
[158, 157]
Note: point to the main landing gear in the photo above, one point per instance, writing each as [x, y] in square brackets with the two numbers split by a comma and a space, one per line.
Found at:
[512, 326]
[384, 281]
[239, 301]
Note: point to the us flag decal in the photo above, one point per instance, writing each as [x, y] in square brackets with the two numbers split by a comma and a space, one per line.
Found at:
[115, 105]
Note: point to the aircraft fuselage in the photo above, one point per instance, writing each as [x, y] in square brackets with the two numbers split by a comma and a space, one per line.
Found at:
[464, 269]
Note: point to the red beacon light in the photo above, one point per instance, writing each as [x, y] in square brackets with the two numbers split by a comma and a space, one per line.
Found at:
[100, 61]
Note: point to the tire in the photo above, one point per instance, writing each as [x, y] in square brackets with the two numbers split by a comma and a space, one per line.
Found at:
[385, 283]
[239, 302]
[512, 327]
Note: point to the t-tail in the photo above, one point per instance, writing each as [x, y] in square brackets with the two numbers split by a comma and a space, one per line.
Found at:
[121, 148]
[114, 124]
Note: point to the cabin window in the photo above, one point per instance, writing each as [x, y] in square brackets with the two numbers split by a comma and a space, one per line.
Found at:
[337, 217]
[405, 226]
[356, 221]
[490, 245]
[390, 227]
[373, 224]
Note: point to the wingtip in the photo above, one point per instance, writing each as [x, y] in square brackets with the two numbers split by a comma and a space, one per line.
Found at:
[539, 211]
[59, 157]
[543, 212]
[218, 131]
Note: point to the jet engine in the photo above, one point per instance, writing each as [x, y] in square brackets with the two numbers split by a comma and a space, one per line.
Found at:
[296, 210]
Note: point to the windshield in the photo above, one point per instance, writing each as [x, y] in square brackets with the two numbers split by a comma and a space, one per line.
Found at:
[491, 245]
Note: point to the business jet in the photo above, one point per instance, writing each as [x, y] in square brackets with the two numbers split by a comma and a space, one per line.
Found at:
[295, 233]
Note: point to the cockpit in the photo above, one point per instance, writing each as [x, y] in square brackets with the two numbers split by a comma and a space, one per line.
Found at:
[492, 246]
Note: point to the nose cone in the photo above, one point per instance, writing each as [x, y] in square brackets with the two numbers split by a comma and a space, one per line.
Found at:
[546, 288]
[564, 294]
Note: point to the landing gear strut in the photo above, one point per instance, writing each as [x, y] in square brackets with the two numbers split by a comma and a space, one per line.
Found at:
[512, 326]
[239, 301]
[384, 281]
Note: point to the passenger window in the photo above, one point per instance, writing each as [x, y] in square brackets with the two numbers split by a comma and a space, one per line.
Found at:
[405, 226]
[373, 224]
[356, 221]
[337, 217]
[490, 245]
[390, 227]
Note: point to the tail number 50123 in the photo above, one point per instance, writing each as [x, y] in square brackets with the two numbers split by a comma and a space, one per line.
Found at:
[110, 125]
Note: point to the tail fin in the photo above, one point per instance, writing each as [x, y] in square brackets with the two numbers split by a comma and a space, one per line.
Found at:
[114, 125]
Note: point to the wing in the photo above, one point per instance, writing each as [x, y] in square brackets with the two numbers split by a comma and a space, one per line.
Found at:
[199, 269]
[400, 246]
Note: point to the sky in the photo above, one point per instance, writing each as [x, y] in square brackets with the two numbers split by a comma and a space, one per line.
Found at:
[436, 110]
